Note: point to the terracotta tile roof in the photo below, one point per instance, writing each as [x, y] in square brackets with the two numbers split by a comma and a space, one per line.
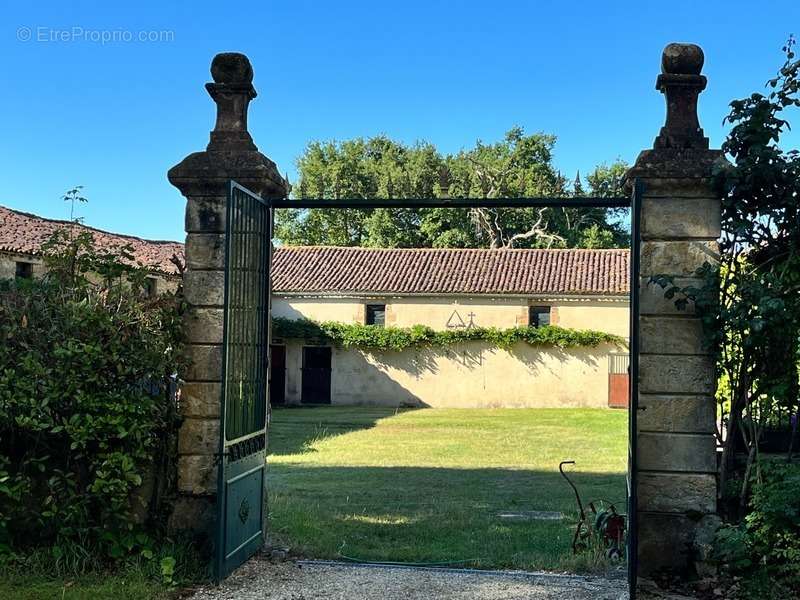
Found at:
[322, 269]
[25, 233]
[332, 270]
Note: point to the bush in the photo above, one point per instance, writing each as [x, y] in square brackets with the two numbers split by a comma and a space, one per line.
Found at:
[766, 545]
[773, 523]
[87, 367]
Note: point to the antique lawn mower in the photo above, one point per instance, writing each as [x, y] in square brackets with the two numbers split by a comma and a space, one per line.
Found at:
[606, 525]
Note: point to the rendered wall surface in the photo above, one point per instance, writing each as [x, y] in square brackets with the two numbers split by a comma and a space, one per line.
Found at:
[608, 315]
[470, 375]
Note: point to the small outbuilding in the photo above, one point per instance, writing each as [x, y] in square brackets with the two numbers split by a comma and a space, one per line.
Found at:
[452, 289]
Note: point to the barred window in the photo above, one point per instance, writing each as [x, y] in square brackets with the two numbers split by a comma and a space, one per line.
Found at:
[376, 314]
[538, 316]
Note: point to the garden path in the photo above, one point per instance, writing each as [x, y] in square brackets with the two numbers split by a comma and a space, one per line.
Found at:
[260, 579]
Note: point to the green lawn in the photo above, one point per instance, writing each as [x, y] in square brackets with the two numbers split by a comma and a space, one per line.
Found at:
[427, 485]
[87, 587]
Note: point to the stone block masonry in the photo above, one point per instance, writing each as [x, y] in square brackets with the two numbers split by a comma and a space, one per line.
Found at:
[203, 178]
[676, 472]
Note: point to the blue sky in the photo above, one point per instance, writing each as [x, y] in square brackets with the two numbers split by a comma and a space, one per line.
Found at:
[115, 116]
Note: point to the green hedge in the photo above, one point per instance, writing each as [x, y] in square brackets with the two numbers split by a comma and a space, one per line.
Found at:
[376, 338]
[86, 413]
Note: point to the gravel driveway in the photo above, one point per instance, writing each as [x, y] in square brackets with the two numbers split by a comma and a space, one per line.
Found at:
[260, 579]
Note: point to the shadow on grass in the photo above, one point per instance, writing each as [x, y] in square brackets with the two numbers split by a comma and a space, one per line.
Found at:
[294, 430]
[441, 515]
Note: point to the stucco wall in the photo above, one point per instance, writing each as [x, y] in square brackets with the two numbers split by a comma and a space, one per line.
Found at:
[472, 375]
[319, 309]
[9, 260]
[609, 315]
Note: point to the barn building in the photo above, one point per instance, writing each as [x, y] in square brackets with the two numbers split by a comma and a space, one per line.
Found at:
[452, 289]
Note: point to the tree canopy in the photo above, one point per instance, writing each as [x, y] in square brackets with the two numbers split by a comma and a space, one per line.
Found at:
[379, 167]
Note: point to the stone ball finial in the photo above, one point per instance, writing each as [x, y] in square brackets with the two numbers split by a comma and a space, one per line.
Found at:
[681, 83]
[231, 68]
[682, 59]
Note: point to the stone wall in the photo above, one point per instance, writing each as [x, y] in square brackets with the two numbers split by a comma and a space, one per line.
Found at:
[161, 283]
[9, 260]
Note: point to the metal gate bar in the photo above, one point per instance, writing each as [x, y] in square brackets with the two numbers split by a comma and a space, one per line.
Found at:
[633, 405]
[538, 202]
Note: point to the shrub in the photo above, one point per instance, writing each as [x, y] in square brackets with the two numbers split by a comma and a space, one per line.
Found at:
[86, 366]
[766, 545]
[773, 523]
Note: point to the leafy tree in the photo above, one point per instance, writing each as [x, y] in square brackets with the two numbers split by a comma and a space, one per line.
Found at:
[518, 165]
[377, 167]
[596, 227]
[606, 181]
[760, 305]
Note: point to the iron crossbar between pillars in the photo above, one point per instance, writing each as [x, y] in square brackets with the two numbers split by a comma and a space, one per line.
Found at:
[537, 202]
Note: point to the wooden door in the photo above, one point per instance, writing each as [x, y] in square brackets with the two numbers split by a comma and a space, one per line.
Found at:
[316, 374]
[618, 381]
[277, 375]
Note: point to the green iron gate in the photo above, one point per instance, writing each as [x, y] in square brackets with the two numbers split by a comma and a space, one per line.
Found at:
[244, 402]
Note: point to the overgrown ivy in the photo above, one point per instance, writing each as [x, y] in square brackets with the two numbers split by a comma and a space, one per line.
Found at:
[376, 338]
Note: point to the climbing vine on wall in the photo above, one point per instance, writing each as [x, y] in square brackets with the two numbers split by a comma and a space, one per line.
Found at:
[375, 338]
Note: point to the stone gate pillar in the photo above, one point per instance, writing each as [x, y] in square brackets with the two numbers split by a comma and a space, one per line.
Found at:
[202, 177]
[677, 463]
